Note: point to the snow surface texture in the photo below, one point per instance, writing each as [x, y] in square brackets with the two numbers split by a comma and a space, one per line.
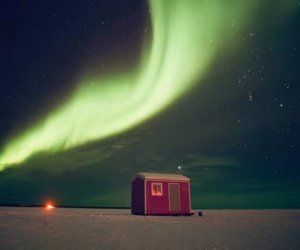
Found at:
[38, 228]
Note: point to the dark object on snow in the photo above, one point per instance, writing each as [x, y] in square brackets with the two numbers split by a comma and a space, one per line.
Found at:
[160, 194]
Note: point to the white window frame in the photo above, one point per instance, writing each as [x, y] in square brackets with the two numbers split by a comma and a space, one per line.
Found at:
[161, 189]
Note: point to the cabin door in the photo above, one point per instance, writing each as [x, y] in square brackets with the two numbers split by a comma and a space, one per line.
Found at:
[174, 197]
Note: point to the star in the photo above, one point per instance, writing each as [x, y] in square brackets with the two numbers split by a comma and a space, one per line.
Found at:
[250, 96]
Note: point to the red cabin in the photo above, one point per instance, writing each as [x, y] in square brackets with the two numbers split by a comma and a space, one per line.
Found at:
[160, 194]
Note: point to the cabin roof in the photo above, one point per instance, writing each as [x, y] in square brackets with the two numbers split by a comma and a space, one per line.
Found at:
[160, 176]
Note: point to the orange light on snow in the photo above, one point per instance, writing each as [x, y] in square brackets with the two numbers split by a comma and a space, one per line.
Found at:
[49, 206]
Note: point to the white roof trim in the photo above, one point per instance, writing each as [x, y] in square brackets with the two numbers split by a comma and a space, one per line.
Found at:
[160, 176]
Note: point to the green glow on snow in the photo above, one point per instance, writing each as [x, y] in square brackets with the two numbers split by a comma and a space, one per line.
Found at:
[186, 36]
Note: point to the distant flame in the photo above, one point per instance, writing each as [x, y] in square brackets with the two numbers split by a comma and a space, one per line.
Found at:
[49, 206]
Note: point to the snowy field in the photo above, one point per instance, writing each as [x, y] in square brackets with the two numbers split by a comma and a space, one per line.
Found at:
[38, 228]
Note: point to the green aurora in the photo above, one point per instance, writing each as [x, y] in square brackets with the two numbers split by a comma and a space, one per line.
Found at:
[186, 35]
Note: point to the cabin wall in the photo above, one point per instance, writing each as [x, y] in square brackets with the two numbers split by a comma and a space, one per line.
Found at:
[157, 204]
[137, 196]
[185, 197]
[160, 204]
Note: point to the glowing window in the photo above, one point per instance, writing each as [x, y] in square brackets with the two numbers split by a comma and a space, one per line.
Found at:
[156, 189]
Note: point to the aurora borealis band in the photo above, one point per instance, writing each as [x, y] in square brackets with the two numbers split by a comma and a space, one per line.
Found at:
[170, 65]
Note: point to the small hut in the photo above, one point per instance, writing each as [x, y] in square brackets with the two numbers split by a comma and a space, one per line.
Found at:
[160, 194]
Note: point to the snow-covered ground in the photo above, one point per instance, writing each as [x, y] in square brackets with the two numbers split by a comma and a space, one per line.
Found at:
[38, 228]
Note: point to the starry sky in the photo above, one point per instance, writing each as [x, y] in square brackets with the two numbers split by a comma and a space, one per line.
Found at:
[233, 130]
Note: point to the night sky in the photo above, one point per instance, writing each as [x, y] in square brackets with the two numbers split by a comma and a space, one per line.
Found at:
[234, 130]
